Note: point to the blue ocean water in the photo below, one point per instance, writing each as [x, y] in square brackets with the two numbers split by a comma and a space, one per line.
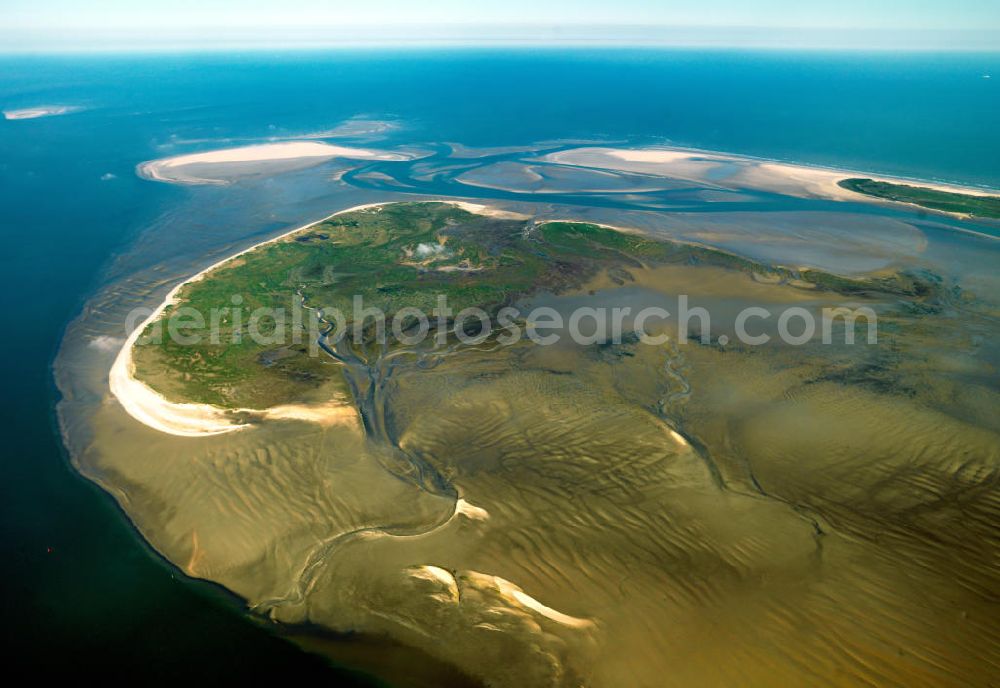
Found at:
[920, 115]
[81, 583]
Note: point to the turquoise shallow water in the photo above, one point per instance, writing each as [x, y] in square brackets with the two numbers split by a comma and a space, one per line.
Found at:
[82, 586]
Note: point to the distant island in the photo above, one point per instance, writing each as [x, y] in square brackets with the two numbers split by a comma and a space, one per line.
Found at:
[640, 168]
[925, 197]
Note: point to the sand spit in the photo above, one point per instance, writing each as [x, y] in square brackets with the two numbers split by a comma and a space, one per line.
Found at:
[203, 420]
[490, 211]
[734, 171]
[513, 593]
[336, 412]
[471, 511]
[220, 166]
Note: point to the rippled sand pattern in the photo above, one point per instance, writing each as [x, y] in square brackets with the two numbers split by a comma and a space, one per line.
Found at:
[675, 516]
[630, 515]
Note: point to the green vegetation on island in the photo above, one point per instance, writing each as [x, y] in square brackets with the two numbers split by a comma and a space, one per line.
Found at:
[934, 199]
[395, 256]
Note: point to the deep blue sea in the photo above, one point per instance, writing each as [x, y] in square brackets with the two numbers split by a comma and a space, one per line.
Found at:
[80, 586]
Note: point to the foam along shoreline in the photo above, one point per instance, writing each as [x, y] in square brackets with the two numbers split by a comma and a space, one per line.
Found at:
[766, 175]
[152, 409]
[221, 166]
[39, 111]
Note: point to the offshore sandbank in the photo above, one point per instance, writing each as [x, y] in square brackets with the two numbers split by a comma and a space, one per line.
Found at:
[728, 169]
[220, 166]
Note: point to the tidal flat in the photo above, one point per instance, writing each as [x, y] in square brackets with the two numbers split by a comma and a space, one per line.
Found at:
[612, 514]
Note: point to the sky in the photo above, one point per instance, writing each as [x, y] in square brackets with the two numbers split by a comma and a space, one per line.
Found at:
[959, 24]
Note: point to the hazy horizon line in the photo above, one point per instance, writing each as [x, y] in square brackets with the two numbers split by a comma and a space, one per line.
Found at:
[306, 37]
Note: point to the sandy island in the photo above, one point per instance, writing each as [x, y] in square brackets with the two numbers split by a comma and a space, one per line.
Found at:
[219, 166]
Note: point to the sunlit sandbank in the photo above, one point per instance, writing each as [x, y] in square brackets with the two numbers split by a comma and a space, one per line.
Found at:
[733, 171]
[221, 166]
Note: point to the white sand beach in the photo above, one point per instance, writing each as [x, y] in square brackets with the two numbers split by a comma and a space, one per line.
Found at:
[221, 166]
[191, 420]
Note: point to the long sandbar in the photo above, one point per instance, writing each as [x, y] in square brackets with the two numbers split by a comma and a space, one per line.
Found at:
[216, 166]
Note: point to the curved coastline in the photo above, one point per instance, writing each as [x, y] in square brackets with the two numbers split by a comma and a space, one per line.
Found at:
[202, 420]
[184, 419]
[154, 410]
